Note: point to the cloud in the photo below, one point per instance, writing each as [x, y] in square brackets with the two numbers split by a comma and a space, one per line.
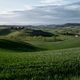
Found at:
[56, 2]
[28, 7]
[74, 6]
[52, 13]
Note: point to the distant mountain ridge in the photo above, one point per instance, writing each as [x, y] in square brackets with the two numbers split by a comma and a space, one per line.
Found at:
[42, 26]
[69, 25]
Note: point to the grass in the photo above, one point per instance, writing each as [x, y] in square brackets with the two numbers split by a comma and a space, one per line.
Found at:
[44, 65]
[22, 57]
[26, 46]
[17, 46]
[70, 42]
[73, 78]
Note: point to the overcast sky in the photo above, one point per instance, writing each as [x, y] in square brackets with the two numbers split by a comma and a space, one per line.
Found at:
[39, 11]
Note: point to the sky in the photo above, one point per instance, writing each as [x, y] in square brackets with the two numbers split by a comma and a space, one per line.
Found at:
[28, 12]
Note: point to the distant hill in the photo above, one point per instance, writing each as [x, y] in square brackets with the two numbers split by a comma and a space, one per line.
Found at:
[69, 25]
[72, 24]
[39, 33]
[4, 32]
[25, 32]
[41, 26]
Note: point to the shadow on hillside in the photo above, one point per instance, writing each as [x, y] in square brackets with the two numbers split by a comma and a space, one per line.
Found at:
[18, 46]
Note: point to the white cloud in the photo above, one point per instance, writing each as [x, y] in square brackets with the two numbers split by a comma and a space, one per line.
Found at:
[28, 7]
[73, 7]
[56, 2]
[6, 12]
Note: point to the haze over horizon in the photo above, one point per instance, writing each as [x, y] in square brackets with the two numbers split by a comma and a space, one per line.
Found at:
[39, 12]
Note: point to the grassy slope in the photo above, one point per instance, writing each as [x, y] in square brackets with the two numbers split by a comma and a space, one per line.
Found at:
[17, 46]
[70, 42]
[62, 64]
[44, 65]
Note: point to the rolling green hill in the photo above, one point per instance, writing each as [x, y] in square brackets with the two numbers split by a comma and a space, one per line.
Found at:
[69, 42]
[28, 54]
[17, 45]
[4, 32]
